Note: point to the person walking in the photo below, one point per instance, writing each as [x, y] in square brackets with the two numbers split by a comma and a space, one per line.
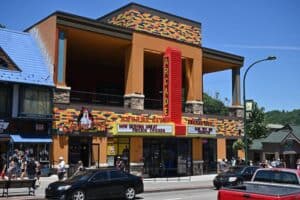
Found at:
[61, 168]
[38, 171]
[31, 169]
[23, 167]
[79, 168]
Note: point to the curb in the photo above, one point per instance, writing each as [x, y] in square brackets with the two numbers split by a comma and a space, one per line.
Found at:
[178, 189]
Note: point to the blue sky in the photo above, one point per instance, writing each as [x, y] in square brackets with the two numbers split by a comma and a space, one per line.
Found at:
[254, 29]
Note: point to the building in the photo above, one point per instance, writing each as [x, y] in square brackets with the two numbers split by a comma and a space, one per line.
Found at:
[26, 89]
[110, 83]
[283, 144]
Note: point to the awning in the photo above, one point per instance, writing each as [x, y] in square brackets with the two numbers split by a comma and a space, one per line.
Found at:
[289, 152]
[19, 139]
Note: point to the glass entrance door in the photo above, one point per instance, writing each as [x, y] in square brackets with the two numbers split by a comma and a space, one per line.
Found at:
[167, 157]
[80, 149]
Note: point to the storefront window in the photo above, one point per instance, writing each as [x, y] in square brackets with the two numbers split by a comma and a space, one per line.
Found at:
[118, 150]
[35, 101]
[40, 152]
[210, 155]
[230, 152]
[167, 157]
[5, 99]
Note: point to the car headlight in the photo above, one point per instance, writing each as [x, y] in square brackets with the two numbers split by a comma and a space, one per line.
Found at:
[64, 187]
[232, 179]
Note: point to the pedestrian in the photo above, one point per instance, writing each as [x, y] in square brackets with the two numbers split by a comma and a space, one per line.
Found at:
[223, 165]
[31, 168]
[80, 167]
[12, 169]
[61, 168]
[120, 164]
[23, 167]
[298, 163]
[38, 171]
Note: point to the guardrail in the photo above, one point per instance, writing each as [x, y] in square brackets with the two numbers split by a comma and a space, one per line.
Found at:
[169, 174]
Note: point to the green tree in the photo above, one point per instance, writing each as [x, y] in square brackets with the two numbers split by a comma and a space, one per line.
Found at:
[213, 106]
[283, 117]
[255, 125]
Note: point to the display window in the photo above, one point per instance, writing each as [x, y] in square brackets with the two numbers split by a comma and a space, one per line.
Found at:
[118, 153]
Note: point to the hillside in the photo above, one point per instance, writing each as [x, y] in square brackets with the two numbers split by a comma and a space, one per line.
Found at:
[283, 117]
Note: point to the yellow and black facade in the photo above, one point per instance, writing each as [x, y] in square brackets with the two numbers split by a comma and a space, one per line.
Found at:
[108, 100]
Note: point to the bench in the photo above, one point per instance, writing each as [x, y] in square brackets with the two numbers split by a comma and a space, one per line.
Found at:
[24, 183]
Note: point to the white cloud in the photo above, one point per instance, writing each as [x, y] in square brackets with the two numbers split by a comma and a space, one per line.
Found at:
[285, 48]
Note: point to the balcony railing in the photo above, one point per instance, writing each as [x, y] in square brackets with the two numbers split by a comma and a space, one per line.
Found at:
[110, 99]
[96, 98]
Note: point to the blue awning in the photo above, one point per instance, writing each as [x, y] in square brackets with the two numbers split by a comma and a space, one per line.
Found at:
[19, 139]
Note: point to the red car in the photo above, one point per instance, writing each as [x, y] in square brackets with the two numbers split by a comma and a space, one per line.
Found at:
[266, 184]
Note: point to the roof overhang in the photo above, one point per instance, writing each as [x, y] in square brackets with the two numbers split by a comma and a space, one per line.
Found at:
[214, 60]
[87, 24]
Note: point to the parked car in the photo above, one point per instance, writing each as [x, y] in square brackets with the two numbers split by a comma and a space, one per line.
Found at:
[234, 176]
[274, 183]
[96, 184]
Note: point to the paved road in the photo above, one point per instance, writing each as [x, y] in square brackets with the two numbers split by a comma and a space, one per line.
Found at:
[190, 194]
[153, 187]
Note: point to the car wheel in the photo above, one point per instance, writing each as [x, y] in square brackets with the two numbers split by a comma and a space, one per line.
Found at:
[78, 195]
[130, 193]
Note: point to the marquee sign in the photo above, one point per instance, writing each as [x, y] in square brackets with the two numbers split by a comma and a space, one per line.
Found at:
[200, 130]
[166, 86]
[145, 129]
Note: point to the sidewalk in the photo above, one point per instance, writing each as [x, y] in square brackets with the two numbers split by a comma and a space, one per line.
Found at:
[178, 183]
[150, 185]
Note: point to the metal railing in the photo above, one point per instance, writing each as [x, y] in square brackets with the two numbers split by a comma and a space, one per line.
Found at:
[168, 174]
[96, 98]
[110, 99]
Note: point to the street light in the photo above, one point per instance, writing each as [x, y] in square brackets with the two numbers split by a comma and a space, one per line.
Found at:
[244, 100]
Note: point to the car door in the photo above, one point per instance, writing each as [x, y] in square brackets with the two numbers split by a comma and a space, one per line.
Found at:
[247, 173]
[98, 186]
[118, 182]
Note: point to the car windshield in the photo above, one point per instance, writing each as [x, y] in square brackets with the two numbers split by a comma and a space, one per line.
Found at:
[236, 169]
[81, 176]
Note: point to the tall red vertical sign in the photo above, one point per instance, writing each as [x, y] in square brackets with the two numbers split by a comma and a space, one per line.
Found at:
[172, 81]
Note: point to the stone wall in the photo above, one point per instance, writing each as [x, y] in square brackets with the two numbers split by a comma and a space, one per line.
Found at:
[61, 95]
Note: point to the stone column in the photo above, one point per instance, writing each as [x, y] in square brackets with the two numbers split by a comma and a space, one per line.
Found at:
[134, 101]
[194, 85]
[195, 107]
[134, 77]
[61, 95]
[236, 110]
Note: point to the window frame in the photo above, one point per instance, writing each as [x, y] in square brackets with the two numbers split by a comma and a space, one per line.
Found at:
[22, 113]
[8, 105]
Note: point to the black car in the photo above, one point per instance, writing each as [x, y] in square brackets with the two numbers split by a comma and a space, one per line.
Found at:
[234, 176]
[96, 184]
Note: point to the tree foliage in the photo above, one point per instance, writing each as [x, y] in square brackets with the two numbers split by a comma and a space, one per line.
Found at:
[213, 106]
[255, 125]
[238, 145]
[283, 117]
